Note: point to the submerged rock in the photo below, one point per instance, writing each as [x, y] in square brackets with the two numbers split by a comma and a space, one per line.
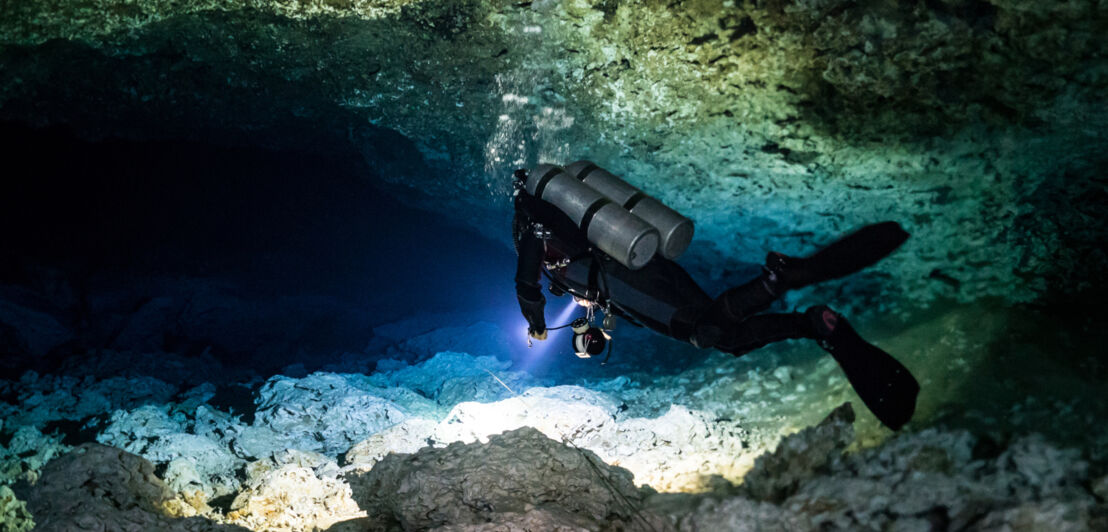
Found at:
[683, 450]
[27, 332]
[292, 498]
[915, 481]
[324, 412]
[406, 437]
[680, 450]
[571, 413]
[465, 472]
[198, 466]
[451, 377]
[101, 488]
[49, 398]
[26, 454]
[798, 457]
[14, 516]
[508, 478]
[809, 117]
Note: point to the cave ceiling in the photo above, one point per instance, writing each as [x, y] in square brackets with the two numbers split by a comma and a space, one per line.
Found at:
[980, 125]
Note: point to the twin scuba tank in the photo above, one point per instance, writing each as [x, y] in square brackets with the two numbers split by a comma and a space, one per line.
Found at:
[616, 217]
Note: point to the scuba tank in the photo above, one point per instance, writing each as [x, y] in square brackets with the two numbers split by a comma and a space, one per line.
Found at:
[675, 230]
[627, 238]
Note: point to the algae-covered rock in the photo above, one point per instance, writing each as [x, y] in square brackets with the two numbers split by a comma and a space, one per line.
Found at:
[14, 516]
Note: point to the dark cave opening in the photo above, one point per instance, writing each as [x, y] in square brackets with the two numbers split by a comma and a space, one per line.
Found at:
[253, 257]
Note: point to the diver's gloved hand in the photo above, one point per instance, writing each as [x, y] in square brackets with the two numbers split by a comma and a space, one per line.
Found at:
[536, 334]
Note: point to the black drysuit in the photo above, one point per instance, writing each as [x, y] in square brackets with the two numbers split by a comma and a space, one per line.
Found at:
[661, 295]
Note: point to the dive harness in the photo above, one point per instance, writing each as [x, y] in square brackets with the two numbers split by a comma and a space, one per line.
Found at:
[588, 340]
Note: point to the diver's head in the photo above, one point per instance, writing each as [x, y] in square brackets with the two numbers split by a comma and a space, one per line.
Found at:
[519, 180]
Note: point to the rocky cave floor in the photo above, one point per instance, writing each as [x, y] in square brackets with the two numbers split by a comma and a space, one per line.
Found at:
[445, 432]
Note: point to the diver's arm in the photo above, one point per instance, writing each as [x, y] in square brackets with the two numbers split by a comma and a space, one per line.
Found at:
[528, 288]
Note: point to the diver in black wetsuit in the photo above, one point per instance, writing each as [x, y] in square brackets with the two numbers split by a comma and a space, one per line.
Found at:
[654, 291]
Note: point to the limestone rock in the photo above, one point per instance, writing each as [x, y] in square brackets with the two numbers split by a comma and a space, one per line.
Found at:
[682, 450]
[101, 488]
[809, 118]
[740, 515]
[257, 441]
[479, 339]
[560, 412]
[1034, 468]
[776, 476]
[321, 466]
[1054, 515]
[47, 398]
[14, 516]
[292, 498]
[26, 454]
[514, 473]
[323, 412]
[208, 467]
[453, 377]
[181, 369]
[679, 450]
[535, 519]
[1100, 488]
[406, 437]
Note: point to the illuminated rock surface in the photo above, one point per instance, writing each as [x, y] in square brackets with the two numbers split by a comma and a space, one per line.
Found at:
[293, 497]
[522, 470]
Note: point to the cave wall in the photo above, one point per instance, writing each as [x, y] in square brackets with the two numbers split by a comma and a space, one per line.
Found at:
[980, 126]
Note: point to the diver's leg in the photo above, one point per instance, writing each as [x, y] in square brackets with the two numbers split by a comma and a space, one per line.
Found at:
[763, 329]
[886, 387]
[845, 256]
[734, 306]
[849, 254]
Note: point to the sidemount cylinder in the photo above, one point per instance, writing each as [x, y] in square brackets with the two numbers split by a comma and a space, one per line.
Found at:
[624, 236]
[675, 230]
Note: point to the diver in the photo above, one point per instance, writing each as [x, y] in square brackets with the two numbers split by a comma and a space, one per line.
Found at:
[612, 247]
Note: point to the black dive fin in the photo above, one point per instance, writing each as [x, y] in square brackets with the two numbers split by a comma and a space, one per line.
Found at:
[883, 383]
[847, 255]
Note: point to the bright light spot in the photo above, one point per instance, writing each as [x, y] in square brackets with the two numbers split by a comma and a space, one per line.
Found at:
[540, 348]
[532, 29]
[514, 98]
[505, 118]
